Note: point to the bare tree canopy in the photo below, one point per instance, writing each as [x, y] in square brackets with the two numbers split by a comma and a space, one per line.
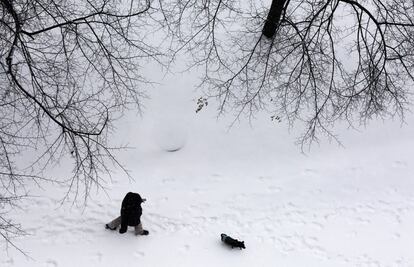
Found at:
[67, 69]
[302, 60]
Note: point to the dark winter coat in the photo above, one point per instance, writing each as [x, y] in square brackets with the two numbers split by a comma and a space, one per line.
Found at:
[131, 211]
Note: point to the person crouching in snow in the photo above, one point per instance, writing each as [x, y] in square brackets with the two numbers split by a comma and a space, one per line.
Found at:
[131, 212]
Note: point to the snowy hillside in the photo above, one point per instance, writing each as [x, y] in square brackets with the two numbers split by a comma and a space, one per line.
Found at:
[334, 206]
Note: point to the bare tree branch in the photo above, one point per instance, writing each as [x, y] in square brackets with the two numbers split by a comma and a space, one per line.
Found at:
[68, 69]
[317, 62]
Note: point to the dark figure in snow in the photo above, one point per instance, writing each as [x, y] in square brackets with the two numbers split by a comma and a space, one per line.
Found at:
[233, 243]
[131, 212]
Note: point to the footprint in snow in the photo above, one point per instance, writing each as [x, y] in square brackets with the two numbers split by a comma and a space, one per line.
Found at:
[139, 254]
[310, 172]
[185, 248]
[399, 164]
[274, 189]
[51, 263]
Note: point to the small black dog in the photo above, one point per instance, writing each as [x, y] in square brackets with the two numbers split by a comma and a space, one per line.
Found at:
[233, 243]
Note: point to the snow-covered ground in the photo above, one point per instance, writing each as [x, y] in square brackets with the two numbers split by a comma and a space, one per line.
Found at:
[333, 206]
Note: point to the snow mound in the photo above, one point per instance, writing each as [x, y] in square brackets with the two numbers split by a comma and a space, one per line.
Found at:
[170, 134]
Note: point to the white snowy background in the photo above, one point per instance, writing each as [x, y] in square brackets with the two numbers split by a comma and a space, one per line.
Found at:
[332, 206]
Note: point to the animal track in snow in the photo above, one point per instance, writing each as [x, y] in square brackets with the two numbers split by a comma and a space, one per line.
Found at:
[309, 172]
[399, 164]
[274, 189]
[162, 223]
[264, 178]
[139, 254]
[198, 191]
[215, 178]
[51, 263]
[98, 257]
[168, 180]
[8, 262]
[185, 248]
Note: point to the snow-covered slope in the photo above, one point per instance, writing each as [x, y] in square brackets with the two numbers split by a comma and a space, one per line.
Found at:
[334, 206]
